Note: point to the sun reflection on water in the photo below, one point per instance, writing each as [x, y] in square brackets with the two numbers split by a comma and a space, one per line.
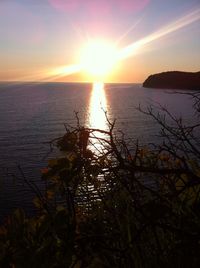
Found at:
[97, 117]
[98, 107]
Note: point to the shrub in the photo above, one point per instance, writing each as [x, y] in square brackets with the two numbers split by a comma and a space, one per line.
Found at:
[111, 205]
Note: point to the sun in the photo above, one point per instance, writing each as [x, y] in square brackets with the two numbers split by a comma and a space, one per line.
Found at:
[98, 58]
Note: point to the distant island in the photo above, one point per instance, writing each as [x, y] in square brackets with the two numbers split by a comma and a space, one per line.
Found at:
[174, 80]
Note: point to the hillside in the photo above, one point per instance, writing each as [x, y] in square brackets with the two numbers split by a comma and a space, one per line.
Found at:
[174, 80]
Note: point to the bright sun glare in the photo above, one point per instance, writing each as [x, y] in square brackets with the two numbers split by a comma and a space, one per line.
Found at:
[98, 58]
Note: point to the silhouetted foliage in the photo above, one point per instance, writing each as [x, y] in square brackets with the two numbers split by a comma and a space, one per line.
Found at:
[108, 204]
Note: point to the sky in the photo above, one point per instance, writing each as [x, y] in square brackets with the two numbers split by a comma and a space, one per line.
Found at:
[43, 40]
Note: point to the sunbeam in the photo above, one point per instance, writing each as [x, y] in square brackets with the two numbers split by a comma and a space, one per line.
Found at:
[65, 70]
[129, 30]
[94, 59]
[132, 49]
[50, 74]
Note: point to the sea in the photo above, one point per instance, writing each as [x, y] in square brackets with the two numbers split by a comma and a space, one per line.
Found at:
[33, 114]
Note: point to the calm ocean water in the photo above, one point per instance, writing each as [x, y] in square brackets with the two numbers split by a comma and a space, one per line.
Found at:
[32, 114]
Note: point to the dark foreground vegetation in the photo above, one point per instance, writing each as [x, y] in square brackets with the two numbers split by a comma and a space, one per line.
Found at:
[109, 203]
